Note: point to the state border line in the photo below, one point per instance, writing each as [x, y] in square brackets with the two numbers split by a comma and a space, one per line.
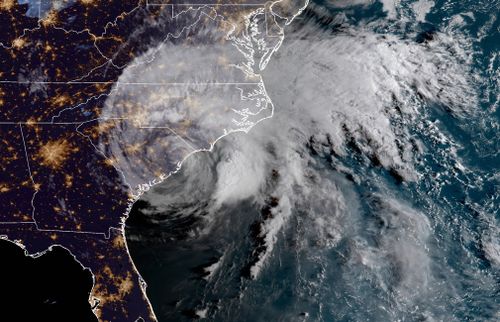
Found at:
[59, 123]
[171, 130]
[17, 222]
[204, 4]
[128, 83]
[34, 223]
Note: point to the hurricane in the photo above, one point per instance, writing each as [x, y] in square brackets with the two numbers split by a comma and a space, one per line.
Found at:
[371, 194]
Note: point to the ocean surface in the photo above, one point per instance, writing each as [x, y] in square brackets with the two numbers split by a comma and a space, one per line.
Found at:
[372, 194]
[53, 286]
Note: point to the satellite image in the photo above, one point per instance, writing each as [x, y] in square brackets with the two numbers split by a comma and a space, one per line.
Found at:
[247, 160]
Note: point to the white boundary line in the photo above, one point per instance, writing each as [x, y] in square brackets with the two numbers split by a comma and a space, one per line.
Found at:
[212, 144]
[128, 83]
[171, 130]
[16, 222]
[26, 151]
[214, 4]
[31, 176]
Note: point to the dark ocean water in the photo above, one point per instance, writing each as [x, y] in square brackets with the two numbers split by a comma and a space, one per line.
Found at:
[351, 235]
[51, 287]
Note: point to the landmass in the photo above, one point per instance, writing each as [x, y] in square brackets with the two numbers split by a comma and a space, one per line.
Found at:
[102, 100]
